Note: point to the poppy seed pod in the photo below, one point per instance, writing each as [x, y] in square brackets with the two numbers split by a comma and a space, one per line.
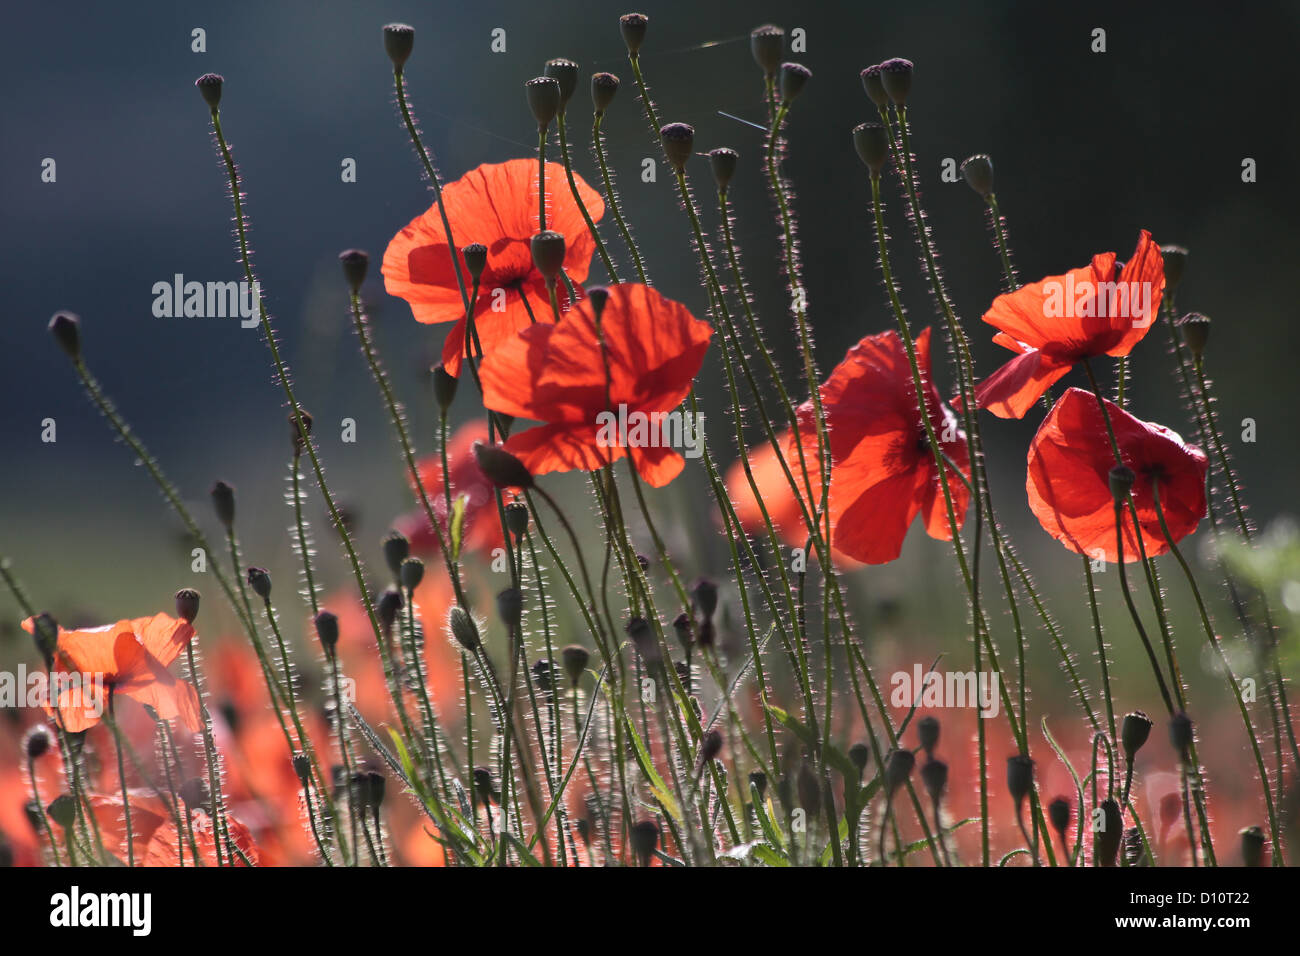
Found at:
[643, 639]
[633, 27]
[444, 387]
[300, 430]
[475, 255]
[758, 784]
[548, 254]
[209, 85]
[1180, 734]
[934, 775]
[223, 500]
[543, 674]
[644, 838]
[45, 635]
[327, 631]
[500, 467]
[355, 264]
[860, 755]
[66, 329]
[575, 658]
[62, 810]
[517, 518]
[260, 581]
[412, 573]
[767, 44]
[598, 296]
[603, 88]
[389, 606]
[1110, 833]
[564, 72]
[898, 767]
[1020, 777]
[678, 140]
[682, 627]
[187, 604]
[1196, 332]
[302, 767]
[543, 95]
[510, 607]
[1133, 733]
[794, 77]
[399, 40]
[809, 790]
[37, 742]
[977, 170]
[873, 82]
[1121, 479]
[723, 163]
[705, 594]
[896, 74]
[872, 144]
[462, 627]
[1175, 260]
[1058, 812]
[396, 550]
[927, 732]
[1252, 846]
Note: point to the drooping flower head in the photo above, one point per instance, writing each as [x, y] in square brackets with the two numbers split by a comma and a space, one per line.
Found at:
[1061, 320]
[883, 473]
[1070, 461]
[605, 392]
[496, 205]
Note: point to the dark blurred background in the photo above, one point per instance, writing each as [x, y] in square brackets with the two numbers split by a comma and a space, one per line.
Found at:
[1088, 149]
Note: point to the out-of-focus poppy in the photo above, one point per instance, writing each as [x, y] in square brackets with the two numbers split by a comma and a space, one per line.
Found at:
[1070, 460]
[495, 205]
[132, 658]
[882, 470]
[481, 531]
[1061, 320]
[602, 403]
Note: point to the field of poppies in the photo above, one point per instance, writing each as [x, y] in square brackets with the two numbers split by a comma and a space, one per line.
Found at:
[557, 657]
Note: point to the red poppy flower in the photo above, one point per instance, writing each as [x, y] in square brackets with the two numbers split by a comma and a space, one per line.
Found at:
[481, 531]
[557, 374]
[153, 831]
[132, 657]
[1061, 320]
[1069, 478]
[882, 470]
[778, 498]
[496, 205]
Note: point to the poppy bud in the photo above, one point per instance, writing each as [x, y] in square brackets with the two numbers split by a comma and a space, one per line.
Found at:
[603, 88]
[644, 838]
[34, 819]
[934, 775]
[1020, 777]
[643, 639]
[1252, 846]
[682, 627]
[1133, 733]
[355, 264]
[710, 747]
[209, 85]
[390, 603]
[758, 783]
[575, 658]
[1175, 259]
[977, 170]
[873, 82]
[66, 329]
[223, 500]
[707, 635]
[1180, 734]
[1134, 848]
[543, 94]
[564, 72]
[444, 387]
[260, 582]
[376, 784]
[194, 794]
[794, 77]
[300, 430]
[517, 518]
[302, 767]
[583, 826]
[543, 671]
[860, 754]
[462, 627]
[510, 607]
[723, 163]
[412, 573]
[633, 26]
[1110, 831]
[898, 767]
[548, 254]
[45, 635]
[598, 296]
[872, 143]
[187, 604]
[475, 255]
[1196, 332]
[62, 810]
[927, 731]
[500, 467]
[1058, 812]
[896, 74]
[705, 594]
[678, 141]
[396, 550]
[327, 631]
[767, 44]
[37, 742]
[810, 790]
[399, 40]
[1121, 482]
[359, 790]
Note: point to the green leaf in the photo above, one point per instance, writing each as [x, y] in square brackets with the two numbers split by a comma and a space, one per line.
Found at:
[657, 785]
[767, 855]
[765, 820]
[834, 756]
[457, 524]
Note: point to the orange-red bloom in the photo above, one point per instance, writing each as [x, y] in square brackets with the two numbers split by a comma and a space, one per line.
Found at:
[496, 205]
[132, 657]
[882, 470]
[1064, 319]
[653, 348]
[481, 531]
[1069, 479]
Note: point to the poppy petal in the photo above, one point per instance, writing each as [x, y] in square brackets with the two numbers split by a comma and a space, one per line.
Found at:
[1012, 390]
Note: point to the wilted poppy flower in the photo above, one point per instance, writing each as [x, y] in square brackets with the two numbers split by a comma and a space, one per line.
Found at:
[496, 205]
[653, 348]
[132, 657]
[882, 470]
[481, 531]
[1069, 479]
[1064, 319]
